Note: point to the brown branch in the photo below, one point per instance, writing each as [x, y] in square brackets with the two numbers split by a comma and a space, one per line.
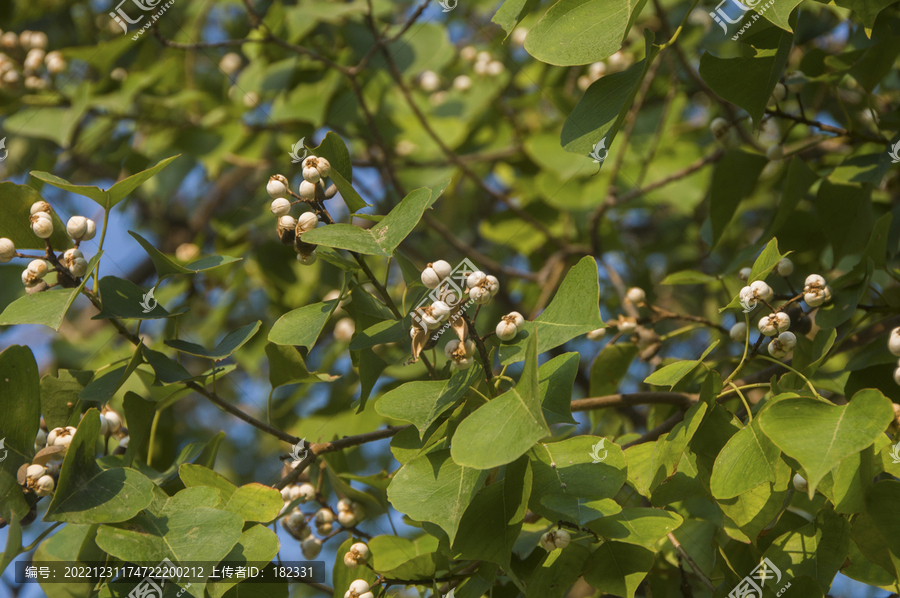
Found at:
[634, 398]
[687, 557]
[824, 127]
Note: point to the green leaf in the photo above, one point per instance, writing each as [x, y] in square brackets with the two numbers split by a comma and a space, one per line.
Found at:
[110, 197]
[866, 10]
[258, 544]
[639, 525]
[580, 510]
[670, 375]
[779, 12]
[799, 179]
[197, 475]
[139, 417]
[556, 380]
[601, 111]
[492, 522]
[233, 341]
[15, 223]
[20, 404]
[255, 502]
[511, 12]
[753, 510]
[166, 267]
[748, 460]
[845, 299]
[618, 568]
[124, 299]
[180, 532]
[845, 214]
[747, 81]
[58, 393]
[767, 260]
[503, 429]
[573, 311]
[388, 331]
[302, 326]
[400, 558]
[449, 488]
[559, 571]
[688, 277]
[817, 550]
[102, 388]
[669, 449]
[168, 371]
[71, 545]
[422, 403]
[48, 307]
[286, 366]
[734, 177]
[86, 493]
[383, 238]
[819, 435]
[567, 468]
[13, 544]
[333, 149]
[610, 367]
[581, 31]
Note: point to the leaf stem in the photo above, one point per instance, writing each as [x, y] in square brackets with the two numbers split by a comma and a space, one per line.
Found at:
[41, 537]
[672, 41]
[787, 367]
[743, 400]
[746, 347]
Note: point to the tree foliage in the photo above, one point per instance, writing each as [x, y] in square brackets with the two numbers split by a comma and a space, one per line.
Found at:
[676, 376]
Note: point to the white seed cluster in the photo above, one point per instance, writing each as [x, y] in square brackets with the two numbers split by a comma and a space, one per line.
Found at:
[508, 327]
[894, 347]
[349, 513]
[481, 287]
[758, 290]
[774, 323]
[557, 538]
[359, 588]
[314, 170]
[782, 344]
[815, 291]
[461, 355]
[358, 555]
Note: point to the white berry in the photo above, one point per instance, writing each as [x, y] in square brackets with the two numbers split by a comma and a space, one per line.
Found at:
[44, 486]
[597, 334]
[76, 227]
[38, 268]
[506, 331]
[429, 81]
[307, 260]
[344, 329]
[475, 279]
[307, 221]
[277, 186]
[104, 425]
[40, 206]
[42, 226]
[784, 267]
[7, 250]
[800, 484]
[554, 539]
[894, 341]
[311, 547]
[280, 206]
[91, 230]
[230, 63]
[346, 519]
[744, 273]
[761, 290]
[719, 126]
[359, 586]
[307, 190]
[33, 472]
[779, 93]
[738, 332]
[115, 422]
[636, 295]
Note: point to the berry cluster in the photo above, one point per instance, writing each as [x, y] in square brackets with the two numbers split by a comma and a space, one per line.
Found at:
[778, 322]
[70, 267]
[555, 538]
[24, 56]
[312, 192]
[297, 523]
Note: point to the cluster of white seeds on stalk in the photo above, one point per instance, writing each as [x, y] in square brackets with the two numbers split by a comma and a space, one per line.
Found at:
[556, 538]
[894, 347]
[777, 324]
[461, 355]
[290, 229]
[73, 261]
[349, 513]
[359, 588]
[37, 66]
[357, 555]
[508, 326]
